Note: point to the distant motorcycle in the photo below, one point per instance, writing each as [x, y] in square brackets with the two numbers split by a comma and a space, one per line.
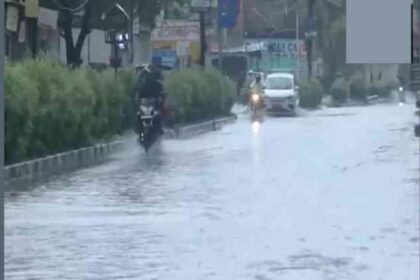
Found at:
[146, 126]
[401, 95]
[256, 104]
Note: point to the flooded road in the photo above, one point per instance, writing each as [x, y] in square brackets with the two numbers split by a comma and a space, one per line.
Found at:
[333, 194]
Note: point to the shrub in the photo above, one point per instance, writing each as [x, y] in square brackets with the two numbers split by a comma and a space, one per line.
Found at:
[338, 91]
[243, 97]
[127, 78]
[384, 90]
[358, 89]
[51, 108]
[381, 91]
[193, 96]
[310, 93]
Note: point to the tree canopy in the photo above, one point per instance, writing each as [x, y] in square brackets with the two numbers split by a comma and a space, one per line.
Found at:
[147, 10]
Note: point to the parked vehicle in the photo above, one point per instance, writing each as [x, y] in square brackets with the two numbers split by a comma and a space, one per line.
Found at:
[280, 94]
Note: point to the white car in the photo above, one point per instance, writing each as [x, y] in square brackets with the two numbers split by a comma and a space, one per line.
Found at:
[280, 94]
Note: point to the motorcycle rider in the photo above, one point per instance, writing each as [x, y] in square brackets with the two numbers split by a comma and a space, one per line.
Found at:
[257, 86]
[149, 85]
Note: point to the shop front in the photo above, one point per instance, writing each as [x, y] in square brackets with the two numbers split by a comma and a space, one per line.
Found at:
[177, 42]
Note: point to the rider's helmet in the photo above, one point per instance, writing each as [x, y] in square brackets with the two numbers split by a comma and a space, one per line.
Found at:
[258, 78]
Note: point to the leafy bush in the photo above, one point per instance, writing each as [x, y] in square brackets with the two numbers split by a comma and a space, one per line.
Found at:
[310, 93]
[338, 91]
[384, 89]
[358, 89]
[381, 91]
[193, 96]
[51, 108]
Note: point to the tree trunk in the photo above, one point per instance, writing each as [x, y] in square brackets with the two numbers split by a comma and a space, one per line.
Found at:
[84, 32]
[309, 57]
[310, 40]
[65, 22]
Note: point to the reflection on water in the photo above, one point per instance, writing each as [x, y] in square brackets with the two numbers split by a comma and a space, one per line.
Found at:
[241, 203]
[256, 127]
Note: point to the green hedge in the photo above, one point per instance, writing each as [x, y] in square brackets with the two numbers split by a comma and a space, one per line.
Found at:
[243, 97]
[310, 93]
[384, 90]
[338, 91]
[51, 108]
[358, 90]
[194, 95]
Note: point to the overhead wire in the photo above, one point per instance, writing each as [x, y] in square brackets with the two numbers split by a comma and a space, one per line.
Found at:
[70, 9]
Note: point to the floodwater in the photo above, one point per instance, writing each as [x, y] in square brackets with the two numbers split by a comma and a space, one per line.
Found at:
[332, 194]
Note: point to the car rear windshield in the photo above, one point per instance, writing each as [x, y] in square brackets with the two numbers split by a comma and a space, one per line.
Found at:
[279, 83]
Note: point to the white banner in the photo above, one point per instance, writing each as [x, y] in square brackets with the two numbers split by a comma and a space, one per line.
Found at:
[12, 20]
[22, 32]
[177, 31]
[285, 47]
[182, 48]
[199, 4]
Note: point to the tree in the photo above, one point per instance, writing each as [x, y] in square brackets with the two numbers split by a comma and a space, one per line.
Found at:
[86, 14]
[147, 10]
[66, 17]
[309, 41]
[330, 23]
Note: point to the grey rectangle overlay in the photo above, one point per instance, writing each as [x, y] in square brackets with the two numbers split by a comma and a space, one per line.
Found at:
[378, 31]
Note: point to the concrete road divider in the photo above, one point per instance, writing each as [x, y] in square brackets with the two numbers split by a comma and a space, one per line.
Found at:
[90, 155]
[61, 162]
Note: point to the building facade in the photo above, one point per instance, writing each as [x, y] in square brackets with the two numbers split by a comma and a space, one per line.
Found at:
[20, 38]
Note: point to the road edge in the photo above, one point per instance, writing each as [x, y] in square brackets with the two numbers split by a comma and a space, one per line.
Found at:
[83, 157]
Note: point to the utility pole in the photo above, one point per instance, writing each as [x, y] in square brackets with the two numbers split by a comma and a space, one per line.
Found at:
[202, 39]
[131, 31]
[220, 39]
[31, 14]
[309, 40]
[297, 46]
[202, 7]
[32, 24]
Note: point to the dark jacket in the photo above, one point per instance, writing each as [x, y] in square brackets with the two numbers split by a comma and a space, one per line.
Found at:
[149, 83]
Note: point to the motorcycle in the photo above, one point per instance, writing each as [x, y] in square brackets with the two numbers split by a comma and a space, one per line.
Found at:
[146, 123]
[401, 95]
[256, 104]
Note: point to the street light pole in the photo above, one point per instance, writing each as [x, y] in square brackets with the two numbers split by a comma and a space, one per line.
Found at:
[131, 31]
[297, 46]
[202, 39]
[220, 39]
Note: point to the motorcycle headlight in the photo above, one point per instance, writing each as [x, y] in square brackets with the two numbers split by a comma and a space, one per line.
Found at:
[255, 97]
[401, 89]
